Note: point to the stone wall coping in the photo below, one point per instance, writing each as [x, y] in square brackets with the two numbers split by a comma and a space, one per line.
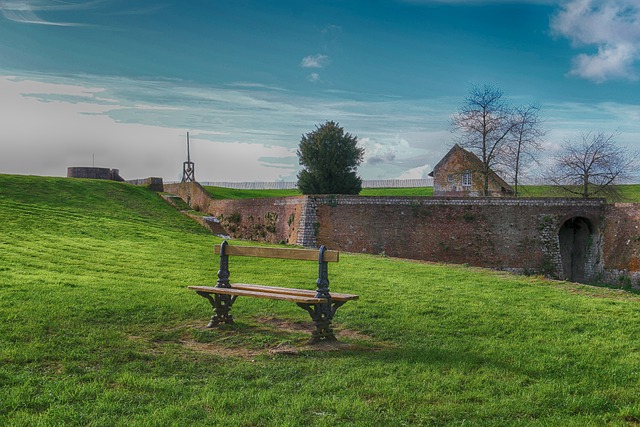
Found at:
[440, 201]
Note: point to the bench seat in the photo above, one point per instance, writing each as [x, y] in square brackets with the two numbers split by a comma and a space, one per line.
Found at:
[292, 291]
[306, 296]
[293, 297]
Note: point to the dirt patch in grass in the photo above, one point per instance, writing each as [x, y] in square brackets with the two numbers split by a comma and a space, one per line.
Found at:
[349, 340]
[596, 290]
[221, 350]
[271, 337]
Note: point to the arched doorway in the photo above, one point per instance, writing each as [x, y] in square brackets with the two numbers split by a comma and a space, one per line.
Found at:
[576, 241]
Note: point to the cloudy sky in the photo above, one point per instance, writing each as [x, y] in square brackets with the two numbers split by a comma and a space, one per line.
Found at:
[118, 83]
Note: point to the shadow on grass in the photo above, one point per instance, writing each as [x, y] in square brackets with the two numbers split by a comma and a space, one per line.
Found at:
[272, 336]
[262, 336]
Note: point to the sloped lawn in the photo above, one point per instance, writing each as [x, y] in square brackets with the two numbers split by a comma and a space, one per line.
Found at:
[98, 329]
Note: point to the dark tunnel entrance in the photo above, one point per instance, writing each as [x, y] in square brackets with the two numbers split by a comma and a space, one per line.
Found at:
[576, 239]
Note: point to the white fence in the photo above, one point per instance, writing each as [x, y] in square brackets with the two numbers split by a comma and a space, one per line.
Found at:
[379, 183]
[398, 183]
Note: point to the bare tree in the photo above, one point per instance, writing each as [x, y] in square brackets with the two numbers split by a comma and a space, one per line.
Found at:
[592, 165]
[526, 140]
[485, 122]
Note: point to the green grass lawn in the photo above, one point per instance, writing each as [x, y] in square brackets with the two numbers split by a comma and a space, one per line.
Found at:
[98, 329]
[230, 193]
[629, 193]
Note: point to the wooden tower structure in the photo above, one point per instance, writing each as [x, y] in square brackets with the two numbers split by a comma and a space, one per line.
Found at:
[188, 167]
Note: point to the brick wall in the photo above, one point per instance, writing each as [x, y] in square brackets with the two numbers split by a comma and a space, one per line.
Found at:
[621, 245]
[273, 220]
[512, 234]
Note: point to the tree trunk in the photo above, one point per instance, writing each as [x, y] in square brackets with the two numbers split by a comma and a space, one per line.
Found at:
[585, 186]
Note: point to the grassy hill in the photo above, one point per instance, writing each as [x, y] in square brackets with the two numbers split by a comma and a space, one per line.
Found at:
[98, 329]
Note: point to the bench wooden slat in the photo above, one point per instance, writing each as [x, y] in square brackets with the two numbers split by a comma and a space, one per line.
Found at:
[287, 253]
[292, 291]
[258, 294]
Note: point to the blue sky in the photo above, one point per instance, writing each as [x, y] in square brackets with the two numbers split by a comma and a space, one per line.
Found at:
[118, 83]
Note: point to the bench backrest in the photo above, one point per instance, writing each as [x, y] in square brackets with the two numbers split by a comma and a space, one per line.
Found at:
[285, 253]
[322, 257]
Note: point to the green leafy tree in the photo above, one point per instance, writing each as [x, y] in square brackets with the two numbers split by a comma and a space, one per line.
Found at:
[330, 158]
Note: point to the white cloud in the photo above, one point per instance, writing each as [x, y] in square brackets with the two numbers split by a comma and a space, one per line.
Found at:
[376, 152]
[252, 85]
[48, 12]
[610, 26]
[315, 61]
[379, 152]
[30, 11]
[610, 62]
[156, 107]
[420, 172]
[313, 77]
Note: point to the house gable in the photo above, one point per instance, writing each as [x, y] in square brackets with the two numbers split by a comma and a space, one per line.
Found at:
[459, 174]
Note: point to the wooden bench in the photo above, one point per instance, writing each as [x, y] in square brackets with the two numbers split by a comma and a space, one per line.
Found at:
[320, 303]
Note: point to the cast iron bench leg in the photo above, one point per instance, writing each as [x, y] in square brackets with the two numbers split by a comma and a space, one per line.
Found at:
[321, 314]
[221, 308]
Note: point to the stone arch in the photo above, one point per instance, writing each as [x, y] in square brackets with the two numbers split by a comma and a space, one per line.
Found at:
[578, 240]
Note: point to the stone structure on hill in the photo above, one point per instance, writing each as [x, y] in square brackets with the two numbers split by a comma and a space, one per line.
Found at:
[152, 183]
[94, 173]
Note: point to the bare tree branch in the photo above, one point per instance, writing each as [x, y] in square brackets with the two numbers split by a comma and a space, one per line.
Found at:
[485, 122]
[526, 140]
[592, 165]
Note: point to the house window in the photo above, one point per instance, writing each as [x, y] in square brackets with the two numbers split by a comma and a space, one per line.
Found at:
[449, 178]
[466, 179]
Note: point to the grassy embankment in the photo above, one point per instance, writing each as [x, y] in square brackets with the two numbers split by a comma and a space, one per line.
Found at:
[98, 330]
[629, 193]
